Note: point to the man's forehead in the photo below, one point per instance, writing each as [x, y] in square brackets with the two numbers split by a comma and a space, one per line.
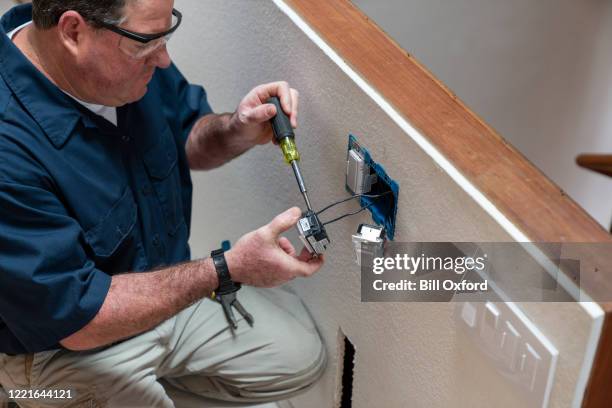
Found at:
[148, 16]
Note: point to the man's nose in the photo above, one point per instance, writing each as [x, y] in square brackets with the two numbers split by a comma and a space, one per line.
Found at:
[160, 58]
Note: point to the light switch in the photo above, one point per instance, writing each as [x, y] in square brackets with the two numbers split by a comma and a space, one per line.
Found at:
[509, 343]
[515, 346]
[468, 314]
[490, 322]
[528, 366]
[491, 315]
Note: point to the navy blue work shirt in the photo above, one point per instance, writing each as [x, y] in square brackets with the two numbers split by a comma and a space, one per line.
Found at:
[82, 199]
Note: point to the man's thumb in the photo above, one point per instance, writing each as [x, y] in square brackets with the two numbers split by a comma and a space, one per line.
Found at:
[283, 221]
[261, 113]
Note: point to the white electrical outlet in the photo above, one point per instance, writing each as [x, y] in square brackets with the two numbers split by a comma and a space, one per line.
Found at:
[518, 349]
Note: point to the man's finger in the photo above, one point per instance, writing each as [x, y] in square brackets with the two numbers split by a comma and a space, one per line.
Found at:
[294, 104]
[284, 94]
[284, 221]
[305, 255]
[307, 264]
[280, 89]
[286, 246]
[259, 114]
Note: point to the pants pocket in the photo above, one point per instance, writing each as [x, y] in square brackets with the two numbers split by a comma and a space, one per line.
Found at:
[38, 361]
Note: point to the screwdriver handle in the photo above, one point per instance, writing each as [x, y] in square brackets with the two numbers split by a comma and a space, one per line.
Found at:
[281, 125]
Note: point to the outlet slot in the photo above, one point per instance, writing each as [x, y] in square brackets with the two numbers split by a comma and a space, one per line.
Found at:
[383, 209]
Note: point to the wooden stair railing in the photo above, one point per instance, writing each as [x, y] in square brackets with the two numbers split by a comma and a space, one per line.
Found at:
[600, 163]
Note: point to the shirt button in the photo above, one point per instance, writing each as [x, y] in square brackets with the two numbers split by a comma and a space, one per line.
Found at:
[156, 240]
[125, 138]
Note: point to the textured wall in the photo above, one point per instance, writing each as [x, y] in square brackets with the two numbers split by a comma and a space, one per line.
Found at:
[538, 72]
[407, 354]
[5, 5]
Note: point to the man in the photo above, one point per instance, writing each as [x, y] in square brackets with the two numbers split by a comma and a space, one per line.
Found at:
[98, 131]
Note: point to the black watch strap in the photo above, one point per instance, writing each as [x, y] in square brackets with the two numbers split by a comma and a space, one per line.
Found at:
[226, 284]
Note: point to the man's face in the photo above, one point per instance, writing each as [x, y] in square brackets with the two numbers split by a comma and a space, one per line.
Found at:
[111, 75]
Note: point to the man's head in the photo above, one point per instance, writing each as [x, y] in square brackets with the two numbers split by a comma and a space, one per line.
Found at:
[104, 47]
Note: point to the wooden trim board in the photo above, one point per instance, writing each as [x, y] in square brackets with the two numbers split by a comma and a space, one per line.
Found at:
[527, 198]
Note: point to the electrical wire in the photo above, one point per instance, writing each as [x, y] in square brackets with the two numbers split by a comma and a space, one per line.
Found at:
[349, 214]
[354, 212]
[353, 197]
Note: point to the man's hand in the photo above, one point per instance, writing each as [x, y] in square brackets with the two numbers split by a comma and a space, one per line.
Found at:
[251, 119]
[216, 139]
[263, 258]
[139, 301]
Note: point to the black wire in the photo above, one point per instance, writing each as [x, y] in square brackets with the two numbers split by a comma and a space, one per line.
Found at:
[349, 214]
[352, 197]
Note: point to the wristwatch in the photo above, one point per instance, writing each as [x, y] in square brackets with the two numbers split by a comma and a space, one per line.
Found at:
[226, 284]
[227, 290]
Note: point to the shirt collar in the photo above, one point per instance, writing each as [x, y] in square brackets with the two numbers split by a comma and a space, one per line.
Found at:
[55, 112]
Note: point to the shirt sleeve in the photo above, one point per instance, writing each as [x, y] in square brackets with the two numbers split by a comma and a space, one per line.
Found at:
[49, 289]
[181, 100]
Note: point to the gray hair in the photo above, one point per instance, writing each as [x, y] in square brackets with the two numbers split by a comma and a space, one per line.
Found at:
[46, 13]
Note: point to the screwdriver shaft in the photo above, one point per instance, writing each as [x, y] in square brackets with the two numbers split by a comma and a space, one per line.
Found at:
[300, 181]
[307, 201]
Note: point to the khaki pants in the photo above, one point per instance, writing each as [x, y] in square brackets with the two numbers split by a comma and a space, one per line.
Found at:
[190, 360]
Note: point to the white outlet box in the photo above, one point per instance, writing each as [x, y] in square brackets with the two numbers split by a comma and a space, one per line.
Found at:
[517, 348]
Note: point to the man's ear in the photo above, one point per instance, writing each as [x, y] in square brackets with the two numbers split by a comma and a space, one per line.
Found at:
[72, 31]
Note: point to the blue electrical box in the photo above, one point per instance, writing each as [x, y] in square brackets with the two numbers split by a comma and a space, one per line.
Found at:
[376, 181]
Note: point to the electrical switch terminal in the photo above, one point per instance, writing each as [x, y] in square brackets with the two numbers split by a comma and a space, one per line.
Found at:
[312, 233]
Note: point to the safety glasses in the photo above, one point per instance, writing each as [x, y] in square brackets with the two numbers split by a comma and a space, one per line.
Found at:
[139, 45]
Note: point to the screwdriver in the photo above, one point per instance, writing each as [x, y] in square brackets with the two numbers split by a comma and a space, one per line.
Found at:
[285, 137]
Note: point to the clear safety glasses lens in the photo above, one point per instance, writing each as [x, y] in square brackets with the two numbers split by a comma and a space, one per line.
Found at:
[137, 49]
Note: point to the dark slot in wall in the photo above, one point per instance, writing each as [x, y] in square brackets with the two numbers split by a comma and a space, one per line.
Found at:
[348, 368]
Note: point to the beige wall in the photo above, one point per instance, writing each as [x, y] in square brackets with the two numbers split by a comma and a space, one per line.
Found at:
[5, 5]
[408, 354]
